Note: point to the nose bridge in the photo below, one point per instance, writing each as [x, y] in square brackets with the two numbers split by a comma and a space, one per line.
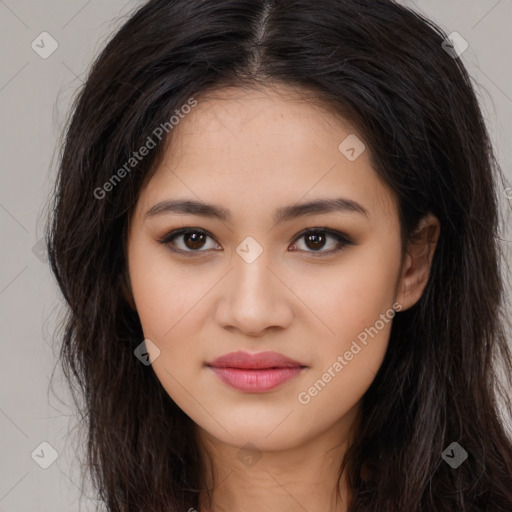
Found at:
[251, 280]
[253, 300]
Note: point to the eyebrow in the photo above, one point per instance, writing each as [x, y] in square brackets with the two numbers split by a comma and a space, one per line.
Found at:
[286, 213]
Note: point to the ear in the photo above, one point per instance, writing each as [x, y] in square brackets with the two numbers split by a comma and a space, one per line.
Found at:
[417, 262]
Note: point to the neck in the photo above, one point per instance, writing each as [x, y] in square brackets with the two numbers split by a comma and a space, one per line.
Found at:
[303, 477]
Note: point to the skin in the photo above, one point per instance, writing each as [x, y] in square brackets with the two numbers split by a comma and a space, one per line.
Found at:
[253, 151]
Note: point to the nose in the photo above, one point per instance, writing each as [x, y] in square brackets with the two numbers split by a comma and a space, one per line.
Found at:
[255, 299]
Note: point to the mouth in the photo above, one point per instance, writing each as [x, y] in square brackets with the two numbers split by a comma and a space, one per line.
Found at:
[255, 373]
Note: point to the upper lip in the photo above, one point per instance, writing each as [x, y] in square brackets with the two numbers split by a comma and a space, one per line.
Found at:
[258, 361]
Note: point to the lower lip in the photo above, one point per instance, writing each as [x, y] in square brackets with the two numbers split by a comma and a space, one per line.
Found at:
[256, 381]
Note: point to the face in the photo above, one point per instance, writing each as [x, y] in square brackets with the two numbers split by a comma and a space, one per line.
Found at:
[244, 275]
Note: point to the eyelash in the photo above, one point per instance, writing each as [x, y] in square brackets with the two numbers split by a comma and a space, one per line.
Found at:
[342, 239]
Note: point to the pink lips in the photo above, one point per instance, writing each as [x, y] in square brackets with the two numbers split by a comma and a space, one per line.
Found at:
[255, 373]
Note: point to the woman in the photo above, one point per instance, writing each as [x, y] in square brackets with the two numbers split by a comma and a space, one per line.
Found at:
[276, 228]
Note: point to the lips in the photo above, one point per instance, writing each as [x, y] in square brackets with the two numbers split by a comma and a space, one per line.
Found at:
[255, 373]
[261, 360]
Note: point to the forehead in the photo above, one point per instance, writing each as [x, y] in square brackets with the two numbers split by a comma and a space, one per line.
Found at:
[259, 149]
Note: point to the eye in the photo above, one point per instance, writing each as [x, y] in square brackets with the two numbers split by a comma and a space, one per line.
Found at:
[193, 240]
[315, 239]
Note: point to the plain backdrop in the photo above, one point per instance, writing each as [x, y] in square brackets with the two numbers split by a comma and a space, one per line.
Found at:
[35, 95]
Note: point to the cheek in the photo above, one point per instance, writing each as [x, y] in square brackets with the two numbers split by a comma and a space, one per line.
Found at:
[164, 293]
[167, 298]
[351, 297]
[357, 309]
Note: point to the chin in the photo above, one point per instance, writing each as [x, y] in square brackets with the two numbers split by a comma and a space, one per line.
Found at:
[268, 432]
[254, 438]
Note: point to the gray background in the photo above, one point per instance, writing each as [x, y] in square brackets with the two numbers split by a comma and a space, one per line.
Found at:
[35, 95]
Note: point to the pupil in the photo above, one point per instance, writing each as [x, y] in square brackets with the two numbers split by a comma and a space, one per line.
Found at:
[316, 239]
[193, 238]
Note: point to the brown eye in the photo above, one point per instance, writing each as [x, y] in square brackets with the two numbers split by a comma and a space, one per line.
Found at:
[195, 240]
[192, 240]
[316, 239]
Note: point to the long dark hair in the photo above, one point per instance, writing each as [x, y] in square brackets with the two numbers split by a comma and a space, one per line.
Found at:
[383, 68]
